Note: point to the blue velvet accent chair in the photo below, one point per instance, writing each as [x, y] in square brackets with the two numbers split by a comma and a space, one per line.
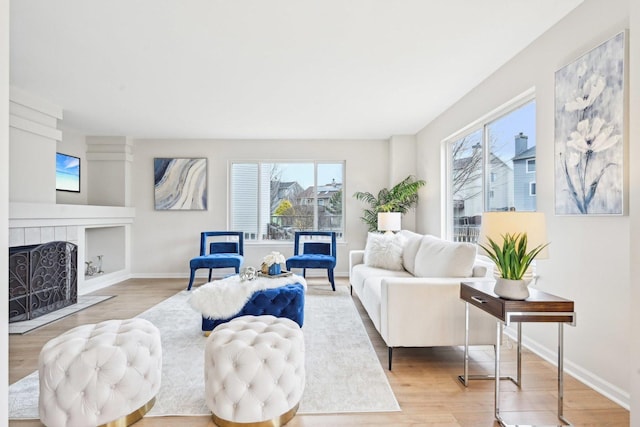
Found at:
[220, 254]
[285, 301]
[315, 254]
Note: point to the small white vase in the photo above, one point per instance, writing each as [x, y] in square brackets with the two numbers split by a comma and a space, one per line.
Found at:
[511, 289]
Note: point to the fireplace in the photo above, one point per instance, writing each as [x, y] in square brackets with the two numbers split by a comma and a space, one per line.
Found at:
[42, 278]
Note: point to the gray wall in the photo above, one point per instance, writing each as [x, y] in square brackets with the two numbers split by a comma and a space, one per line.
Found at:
[634, 201]
[164, 241]
[4, 197]
[589, 256]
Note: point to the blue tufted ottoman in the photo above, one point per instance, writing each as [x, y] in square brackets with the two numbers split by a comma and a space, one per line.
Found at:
[284, 301]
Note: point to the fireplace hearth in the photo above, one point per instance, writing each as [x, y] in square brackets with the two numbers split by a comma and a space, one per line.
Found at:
[42, 278]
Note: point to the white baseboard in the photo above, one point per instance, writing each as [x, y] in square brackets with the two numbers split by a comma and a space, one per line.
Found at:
[603, 387]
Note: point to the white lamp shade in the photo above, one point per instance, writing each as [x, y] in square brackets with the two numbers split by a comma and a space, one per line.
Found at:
[389, 221]
[496, 224]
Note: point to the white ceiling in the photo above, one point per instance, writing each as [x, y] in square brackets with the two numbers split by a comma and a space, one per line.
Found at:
[264, 68]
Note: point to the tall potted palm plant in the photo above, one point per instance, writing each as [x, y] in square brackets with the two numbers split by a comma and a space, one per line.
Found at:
[400, 198]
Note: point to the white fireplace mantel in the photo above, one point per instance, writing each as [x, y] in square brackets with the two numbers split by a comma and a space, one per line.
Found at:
[95, 229]
[44, 214]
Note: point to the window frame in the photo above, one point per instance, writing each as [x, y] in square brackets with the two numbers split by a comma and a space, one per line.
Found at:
[480, 125]
[528, 169]
[259, 164]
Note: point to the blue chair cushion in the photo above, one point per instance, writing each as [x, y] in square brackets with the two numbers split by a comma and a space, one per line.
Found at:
[216, 261]
[311, 261]
[223, 247]
[285, 301]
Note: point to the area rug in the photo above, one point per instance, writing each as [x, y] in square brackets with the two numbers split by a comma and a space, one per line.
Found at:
[84, 301]
[343, 373]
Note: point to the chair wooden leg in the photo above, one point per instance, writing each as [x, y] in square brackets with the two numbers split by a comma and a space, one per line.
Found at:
[210, 270]
[304, 273]
[331, 279]
[191, 277]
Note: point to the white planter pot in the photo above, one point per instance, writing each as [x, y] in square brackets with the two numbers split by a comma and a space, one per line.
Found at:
[512, 289]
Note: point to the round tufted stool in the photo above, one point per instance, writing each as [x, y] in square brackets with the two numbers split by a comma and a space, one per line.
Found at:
[105, 373]
[254, 371]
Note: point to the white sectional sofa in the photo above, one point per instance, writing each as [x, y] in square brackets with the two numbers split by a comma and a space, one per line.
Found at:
[409, 285]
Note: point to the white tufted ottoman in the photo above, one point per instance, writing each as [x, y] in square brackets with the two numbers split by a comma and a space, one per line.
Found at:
[254, 371]
[107, 373]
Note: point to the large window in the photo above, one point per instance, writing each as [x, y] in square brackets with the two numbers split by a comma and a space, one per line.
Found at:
[271, 201]
[491, 167]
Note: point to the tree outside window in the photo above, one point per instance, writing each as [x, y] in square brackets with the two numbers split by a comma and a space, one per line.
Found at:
[490, 169]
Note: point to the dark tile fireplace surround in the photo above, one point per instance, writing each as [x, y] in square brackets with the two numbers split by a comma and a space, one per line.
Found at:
[42, 278]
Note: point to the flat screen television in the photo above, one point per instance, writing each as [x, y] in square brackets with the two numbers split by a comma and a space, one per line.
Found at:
[67, 173]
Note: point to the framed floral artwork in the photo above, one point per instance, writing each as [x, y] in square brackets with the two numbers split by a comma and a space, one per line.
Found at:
[589, 132]
[180, 184]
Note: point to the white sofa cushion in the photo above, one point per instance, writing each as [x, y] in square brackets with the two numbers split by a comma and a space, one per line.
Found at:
[410, 251]
[440, 258]
[384, 251]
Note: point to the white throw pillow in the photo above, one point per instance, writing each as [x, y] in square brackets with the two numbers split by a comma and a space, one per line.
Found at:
[410, 250]
[384, 251]
[441, 258]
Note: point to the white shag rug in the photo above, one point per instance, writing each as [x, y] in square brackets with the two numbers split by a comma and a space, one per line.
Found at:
[343, 373]
[223, 298]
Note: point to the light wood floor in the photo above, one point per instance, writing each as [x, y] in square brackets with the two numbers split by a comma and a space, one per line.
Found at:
[424, 380]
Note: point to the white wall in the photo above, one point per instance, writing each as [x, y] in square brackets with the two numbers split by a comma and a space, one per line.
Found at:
[164, 241]
[589, 256]
[33, 135]
[402, 163]
[634, 195]
[4, 201]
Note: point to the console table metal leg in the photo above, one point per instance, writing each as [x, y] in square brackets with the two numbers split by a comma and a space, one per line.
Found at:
[496, 405]
[561, 374]
[465, 377]
[519, 361]
[466, 345]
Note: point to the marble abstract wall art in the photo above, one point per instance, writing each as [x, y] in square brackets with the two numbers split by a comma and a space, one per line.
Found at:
[589, 132]
[180, 184]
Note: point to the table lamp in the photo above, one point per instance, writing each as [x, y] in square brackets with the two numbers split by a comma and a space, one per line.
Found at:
[389, 222]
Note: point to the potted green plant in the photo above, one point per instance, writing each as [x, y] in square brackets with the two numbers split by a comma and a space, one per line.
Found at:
[512, 260]
[400, 198]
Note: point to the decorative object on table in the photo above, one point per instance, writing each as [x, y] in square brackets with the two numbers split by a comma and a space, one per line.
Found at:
[314, 254]
[400, 198]
[272, 263]
[388, 222]
[228, 253]
[180, 184]
[513, 240]
[589, 132]
[248, 273]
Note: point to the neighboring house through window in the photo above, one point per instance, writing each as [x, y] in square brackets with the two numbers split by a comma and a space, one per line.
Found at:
[490, 166]
[271, 201]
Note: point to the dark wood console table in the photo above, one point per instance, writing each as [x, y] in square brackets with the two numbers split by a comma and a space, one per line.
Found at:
[539, 307]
